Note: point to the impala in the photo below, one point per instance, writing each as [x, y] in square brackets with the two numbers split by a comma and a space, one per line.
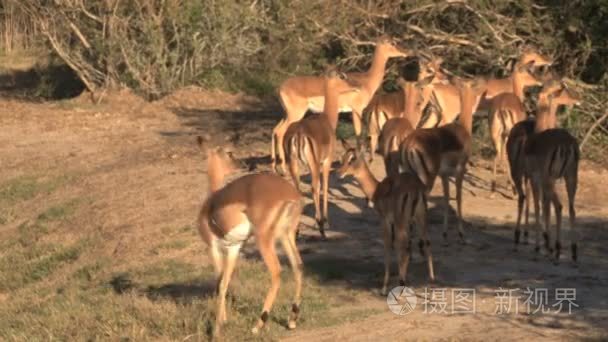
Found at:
[538, 163]
[398, 128]
[399, 200]
[446, 97]
[232, 213]
[312, 141]
[301, 93]
[384, 107]
[507, 109]
[445, 150]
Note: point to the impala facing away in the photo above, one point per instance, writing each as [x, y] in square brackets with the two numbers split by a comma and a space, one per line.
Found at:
[399, 201]
[396, 129]
[445, 150]
[231, 214]
[312, 141]
[301, 93]
[507, 109]
[539, 154]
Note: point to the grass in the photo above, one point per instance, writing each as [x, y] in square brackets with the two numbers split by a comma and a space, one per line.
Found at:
[55, 289]
[164, 299]
[27, 187]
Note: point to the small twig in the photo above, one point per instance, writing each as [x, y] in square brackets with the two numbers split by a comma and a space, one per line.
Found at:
[445, 37]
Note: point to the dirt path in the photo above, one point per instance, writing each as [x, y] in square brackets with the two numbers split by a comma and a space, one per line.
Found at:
[137, 164]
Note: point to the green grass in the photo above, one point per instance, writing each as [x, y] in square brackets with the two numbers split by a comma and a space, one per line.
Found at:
[27, 187]
[60, 212]
[162, 299]
[25, 266]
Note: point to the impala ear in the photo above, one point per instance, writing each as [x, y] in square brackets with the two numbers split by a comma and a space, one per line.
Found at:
[203, 142]
[510, 64]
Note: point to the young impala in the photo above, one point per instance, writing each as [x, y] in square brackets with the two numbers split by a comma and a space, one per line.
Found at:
[399, 200]
[537, 163]
[445, 150]
[301, 93]
[232, 213]
[312, 141]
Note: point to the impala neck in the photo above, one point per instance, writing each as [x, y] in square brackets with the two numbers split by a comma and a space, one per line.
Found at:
[367, 181]
[375, 73]
[331, 106]
[546, 115]
[216, 176]
[466, 115]
[518, 88]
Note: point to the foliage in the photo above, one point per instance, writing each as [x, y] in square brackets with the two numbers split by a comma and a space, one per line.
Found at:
[156, 46]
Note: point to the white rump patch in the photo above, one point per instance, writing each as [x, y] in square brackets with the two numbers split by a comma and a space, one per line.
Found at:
[237, 235]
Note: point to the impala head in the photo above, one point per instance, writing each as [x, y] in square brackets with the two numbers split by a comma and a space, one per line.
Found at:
[525, 74]
[389, 48]
[340, 81]
[219, 158]
[352, 162]
[550, 85]
[431, 67]
[565, 96]
[418, 93]
[530, 54]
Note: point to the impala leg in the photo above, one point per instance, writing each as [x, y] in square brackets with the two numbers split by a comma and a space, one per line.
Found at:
[295, 173]
[325, 174]
[229, 264]
[446, 199]
[527, 210]
[498, 147]
[373, 143]
[521, 198]
[571, 187]
[557, 205]
[504, 162]
[266, 245]
[386, 229]
[423, 226]
[459, 179]
[403, 243]
[495, 132]
[289, 245]
[273, 144]
[546, 201]
[357, 127]
[536, 200]
[315, 175]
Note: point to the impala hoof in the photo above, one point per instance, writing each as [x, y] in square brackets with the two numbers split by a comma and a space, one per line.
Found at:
[291, 325]
[255, 330]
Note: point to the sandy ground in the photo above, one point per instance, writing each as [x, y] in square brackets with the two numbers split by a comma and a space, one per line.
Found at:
[140, 162]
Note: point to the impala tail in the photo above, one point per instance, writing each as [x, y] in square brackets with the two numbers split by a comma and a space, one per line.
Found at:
[299, 145]
[416, 163]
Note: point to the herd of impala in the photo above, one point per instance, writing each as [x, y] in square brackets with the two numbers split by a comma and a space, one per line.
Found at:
[416, 148]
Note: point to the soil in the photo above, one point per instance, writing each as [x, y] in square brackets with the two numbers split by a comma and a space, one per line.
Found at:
[140, 162]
